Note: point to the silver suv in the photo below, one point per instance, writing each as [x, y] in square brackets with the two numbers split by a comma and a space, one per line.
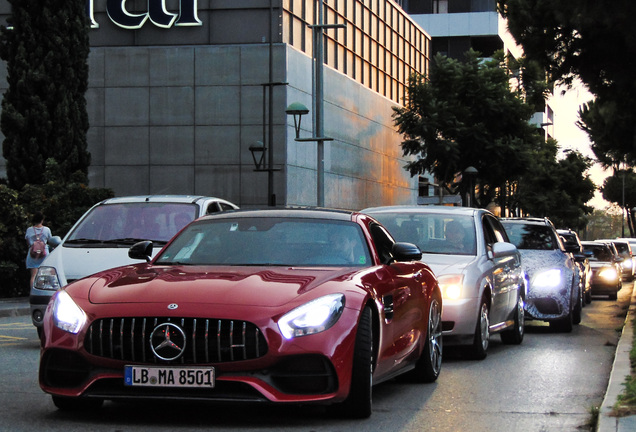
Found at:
[100, 239]
[554, 293]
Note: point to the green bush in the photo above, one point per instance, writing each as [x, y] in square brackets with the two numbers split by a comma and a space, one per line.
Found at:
[62, 203]
[13, 220]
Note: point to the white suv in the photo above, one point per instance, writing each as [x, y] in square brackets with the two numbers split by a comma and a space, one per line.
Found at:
[100, 239]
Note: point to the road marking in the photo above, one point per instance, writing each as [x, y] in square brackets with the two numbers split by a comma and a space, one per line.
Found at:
[15, 326]
[10, 340]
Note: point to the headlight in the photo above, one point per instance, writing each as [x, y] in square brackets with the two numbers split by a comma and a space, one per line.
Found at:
[67, 315]
[549, 279]
[313, 317]
[608, 274]
[627, 263]
[451, 286]
[46, 279]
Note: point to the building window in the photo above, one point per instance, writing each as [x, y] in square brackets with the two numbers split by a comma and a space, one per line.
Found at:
[440, 6]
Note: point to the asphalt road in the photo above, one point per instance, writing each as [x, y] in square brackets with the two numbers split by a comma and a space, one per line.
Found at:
[549, 383]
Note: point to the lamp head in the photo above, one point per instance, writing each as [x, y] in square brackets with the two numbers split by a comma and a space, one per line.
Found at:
[297, 110]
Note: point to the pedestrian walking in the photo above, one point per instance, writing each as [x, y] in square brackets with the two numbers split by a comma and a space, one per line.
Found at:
[37, 237]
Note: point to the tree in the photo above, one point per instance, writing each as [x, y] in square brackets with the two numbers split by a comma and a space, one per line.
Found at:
[465, 114]
[620, 188]
[44, 109]
[557, 189]
[590, 40]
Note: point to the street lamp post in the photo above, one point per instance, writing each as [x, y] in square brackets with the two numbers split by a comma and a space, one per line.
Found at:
[260, 149]
[470, 173]
[317, 102]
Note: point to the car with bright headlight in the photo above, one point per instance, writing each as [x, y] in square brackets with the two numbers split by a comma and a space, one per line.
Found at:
[293, 306]
[606, 272]
[100, 239]
[554, 292]
[626, 259]
[478, 269]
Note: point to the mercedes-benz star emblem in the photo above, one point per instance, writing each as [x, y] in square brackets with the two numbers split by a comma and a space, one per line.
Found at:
[168, 341]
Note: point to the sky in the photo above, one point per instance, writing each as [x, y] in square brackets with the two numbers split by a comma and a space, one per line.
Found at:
[569, 136]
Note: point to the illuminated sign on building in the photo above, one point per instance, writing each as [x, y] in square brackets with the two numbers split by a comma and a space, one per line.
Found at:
[156, 13]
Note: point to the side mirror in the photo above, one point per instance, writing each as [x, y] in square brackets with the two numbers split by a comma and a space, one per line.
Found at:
[406, 252]
[503, 249]
[579, 257]
[141, 251]
[55, 241]
[572, 248]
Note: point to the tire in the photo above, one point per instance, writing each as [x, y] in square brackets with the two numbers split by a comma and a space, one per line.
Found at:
[429, 364]
[514, 336]
[359, 402]
[76, 404]
[479, 349]
[578, 307]
[588, 296]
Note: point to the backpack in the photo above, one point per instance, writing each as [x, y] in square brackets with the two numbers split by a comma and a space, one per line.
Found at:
[38, 248]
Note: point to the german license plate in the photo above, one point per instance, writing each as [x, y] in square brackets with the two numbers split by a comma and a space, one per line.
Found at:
[160, 376]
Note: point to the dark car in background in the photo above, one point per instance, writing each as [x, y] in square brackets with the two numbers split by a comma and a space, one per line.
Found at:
[572, 244]
[554, 293]
[606, 272]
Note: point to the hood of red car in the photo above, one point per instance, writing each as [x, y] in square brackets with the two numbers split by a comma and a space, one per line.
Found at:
[262, 286]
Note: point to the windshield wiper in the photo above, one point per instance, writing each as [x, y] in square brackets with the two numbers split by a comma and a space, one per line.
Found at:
[84, 241]
[127, 240]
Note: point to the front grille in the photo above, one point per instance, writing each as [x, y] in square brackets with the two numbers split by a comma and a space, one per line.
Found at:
[206, 340]
[547, 306]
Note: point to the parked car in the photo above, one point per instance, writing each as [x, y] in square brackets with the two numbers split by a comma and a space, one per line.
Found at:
[606, 279]
[289, 306]
[626, 261]
[100, 239]
[480, 275]
[572, 244]
[553, 277]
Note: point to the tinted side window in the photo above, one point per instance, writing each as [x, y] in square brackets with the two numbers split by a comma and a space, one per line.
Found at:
[498, 229]
[213, 208]
[383, 242]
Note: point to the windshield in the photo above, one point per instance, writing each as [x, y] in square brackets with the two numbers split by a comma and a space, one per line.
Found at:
[599, 252]
[531, 236]
[269, 241]
[438, 233]
[132, 222]
[622, 248]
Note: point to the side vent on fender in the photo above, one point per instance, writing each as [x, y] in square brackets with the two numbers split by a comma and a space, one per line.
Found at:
[387, 302]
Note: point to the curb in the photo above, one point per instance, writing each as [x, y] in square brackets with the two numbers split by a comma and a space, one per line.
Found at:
[15, 307]
[620, 369]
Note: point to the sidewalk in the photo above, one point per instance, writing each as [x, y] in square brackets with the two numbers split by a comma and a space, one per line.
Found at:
[14, 307]
[620, 369]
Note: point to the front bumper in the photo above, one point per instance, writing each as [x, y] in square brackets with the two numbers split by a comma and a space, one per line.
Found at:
[459, 318]
[298, 378]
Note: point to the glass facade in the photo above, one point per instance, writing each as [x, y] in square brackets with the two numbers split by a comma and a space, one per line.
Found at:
[379, 48]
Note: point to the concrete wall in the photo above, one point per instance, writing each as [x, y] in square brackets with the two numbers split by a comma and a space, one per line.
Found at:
[180, 119]
[363, 164]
